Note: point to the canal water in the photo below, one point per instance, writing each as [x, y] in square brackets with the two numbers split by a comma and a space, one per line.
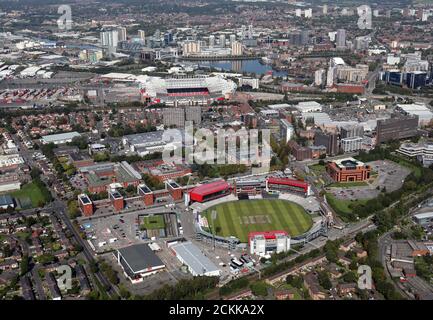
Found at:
[242, 66]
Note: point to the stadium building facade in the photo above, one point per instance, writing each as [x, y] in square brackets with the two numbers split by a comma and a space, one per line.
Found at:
[210, 191]
[265, 243]
[288, 185]
[199, 90]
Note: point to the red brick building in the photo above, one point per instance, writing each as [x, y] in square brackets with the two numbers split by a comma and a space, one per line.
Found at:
[85, 204]
[347, 170]
[147, 194]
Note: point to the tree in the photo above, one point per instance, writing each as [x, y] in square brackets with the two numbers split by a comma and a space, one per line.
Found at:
[124, 293]
[295, 281]
[324, 280]
[259, 289]
[73, 210]
[24, 265]
[350, 277]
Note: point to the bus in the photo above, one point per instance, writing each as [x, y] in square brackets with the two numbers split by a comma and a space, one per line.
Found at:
[237, 262]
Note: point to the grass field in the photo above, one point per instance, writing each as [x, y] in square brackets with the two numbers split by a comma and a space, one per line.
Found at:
[30, 192]
[238, 218]
[342, 207]
[350, 184]
[153, 222]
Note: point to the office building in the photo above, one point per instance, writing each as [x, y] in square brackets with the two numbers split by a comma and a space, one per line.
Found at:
[222, 40]
[350, 131]
[232, 38]
[340, 38]
[416, 79]
[396, 128]
[319, 77]
[177, 116]
[109, 40]
[286, 130]
[237, 48]
[122, 34]
[422, 151]
[351, 144]
[191, 48]
[142, 35]
[348, 170]
[299, 152]
[211, 41]
[328, 140]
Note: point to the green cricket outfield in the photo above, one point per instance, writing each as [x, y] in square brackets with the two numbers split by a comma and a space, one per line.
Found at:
[238, 218]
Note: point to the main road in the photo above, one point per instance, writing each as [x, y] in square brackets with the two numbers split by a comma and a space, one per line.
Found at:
[59, 209]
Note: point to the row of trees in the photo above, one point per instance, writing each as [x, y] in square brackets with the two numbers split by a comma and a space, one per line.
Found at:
[369, 241]
[185, 289]
[121, 130]
[213, 171]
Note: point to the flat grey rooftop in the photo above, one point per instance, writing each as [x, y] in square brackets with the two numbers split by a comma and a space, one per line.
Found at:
[139, 257]
[195, 259]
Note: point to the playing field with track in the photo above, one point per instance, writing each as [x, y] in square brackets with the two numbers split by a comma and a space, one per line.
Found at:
[238, 218]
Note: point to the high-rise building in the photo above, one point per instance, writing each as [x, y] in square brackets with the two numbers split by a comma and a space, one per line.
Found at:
[341, 38]
[142, 35]
[319, 77]
[191, 47]
[193, 113]
[330, 76]
[350, 131]
[211, 41]
[305, 37]
[178, 116]
[250, 32]
[168, 38]
[361, 43]
[109, 40]
[237, 48]
[286, 130]
[173, 117]
[222, 40]
[351, 144]
[325, 9]
[122, 34]
[397, 128]
[329, 140]
[232, 38]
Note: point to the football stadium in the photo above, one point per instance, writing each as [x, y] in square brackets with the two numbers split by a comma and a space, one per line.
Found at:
[199, 90]
[239, 218]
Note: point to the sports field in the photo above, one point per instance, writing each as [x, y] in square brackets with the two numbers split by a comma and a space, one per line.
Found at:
[153, 222]
[238, 218]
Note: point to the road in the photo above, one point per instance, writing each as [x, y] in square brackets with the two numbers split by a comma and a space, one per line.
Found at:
[59, 209]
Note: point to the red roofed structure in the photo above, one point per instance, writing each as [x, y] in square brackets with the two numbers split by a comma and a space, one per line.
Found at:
[268, 235]
[286, 184]
[210, 191]
[263, 243]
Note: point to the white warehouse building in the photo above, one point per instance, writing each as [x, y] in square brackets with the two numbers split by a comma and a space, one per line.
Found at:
[191, 256]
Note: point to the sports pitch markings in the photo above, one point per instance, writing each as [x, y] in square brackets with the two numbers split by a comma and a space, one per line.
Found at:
[238, 218]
